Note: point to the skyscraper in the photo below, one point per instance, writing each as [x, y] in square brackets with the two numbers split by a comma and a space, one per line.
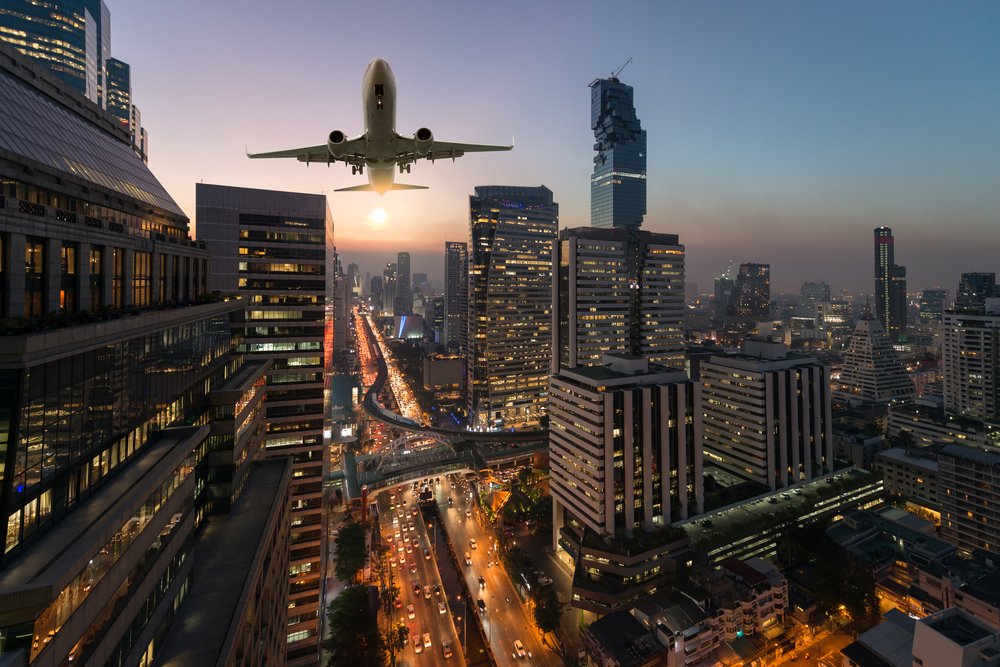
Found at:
[390, 288]
[750, 301]
[932, 304]
[617, 290]
[766, 415]
[970, 355]
[973, 290]
[510, 303]
[72, 38]
[890, 285]
[872, 372]
[618, 184]
[118, 97]
[277, 249]
[456, 295]
[404, 290]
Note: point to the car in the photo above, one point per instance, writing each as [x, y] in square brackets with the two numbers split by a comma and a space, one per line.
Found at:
[413, 568]
[481, 605]
[544, 581]
[427, 592]
[482, 583]
[409, 548]
[395, 521]
[451, 501]
[446, 649]
[397, 603]
[410, 525]
[441, 608]
[410, 611]
[398, 535]
[400, 548]
[417, 646]
[427, 640]
[519, 649]
[472, 543]
[416, 587]
[416, 542]
[468, 558]
[468, 512]
[437, 590]
[427, 554]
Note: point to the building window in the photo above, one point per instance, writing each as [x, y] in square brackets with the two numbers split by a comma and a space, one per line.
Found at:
[118, 278]
[34, 277]
[142, 278]
[96, 278]
[68, 290]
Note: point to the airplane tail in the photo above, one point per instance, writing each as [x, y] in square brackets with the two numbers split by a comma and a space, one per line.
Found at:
[367, 187]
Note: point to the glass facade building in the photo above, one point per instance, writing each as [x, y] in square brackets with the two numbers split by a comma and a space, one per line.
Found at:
[510, 304]
[618, 184]
[890, 285]
[276, 249]
[456, 295]
[404, 289]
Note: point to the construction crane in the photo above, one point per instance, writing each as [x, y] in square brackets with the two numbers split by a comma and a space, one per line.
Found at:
[728, 273]
[614, 77]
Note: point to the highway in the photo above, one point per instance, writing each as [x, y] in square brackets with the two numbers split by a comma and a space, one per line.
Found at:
[503, 621]
[427, 616]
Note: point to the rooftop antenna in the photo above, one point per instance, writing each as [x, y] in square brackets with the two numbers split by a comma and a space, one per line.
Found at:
[614, 77]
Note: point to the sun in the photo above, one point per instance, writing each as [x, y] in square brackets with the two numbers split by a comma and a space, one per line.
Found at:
[378, 217]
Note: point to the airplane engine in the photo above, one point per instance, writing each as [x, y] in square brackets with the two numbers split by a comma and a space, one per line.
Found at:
[336, 143]
[423, 140]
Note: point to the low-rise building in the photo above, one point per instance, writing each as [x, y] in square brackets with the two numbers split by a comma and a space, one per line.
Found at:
[619, 640]
[913, 474]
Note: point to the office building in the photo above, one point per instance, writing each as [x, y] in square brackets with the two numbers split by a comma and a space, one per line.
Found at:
[118, 97]
[810, 294]
[890, 286]
[971, 359]
[723, 294]
[766, 415]
[404, 290]
[872, 372]
[973, 290]
[932, 304]
[617, 291]
[625, 463]
[510, 304]
[456, 295]
[129, 414]
[750, 301]
[375, 291]
[276, 249]
[70, 38]
[618, 184]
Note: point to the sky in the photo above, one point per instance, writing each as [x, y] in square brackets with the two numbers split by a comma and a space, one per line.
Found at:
[778, 131]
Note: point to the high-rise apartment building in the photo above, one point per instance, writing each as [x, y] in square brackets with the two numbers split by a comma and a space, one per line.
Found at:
[968, 479]
[766, 415]
[618, 184]
[810, 294]
[872, 372]
[130, 419]
[971, 360]
[456, 295]
[973, 290]
[276, 249]
[617, 291]
[750, 301]
[890, 285]
[404, 290]
[510, 303]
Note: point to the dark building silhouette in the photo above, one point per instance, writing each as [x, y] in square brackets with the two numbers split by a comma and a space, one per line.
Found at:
[890, 286]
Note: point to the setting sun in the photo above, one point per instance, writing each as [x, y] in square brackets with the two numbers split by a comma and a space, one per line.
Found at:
[378, 217]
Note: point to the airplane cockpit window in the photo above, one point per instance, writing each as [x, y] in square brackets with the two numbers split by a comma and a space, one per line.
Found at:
[379, 93]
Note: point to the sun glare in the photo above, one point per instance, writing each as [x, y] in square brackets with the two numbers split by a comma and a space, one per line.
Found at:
[378, 217]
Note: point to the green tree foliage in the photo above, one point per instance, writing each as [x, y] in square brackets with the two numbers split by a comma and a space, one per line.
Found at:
[350, 552]
[395, 641]
[354, 637]
[547, 611]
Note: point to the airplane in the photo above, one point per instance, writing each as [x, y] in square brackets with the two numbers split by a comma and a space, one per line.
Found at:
[380, 148]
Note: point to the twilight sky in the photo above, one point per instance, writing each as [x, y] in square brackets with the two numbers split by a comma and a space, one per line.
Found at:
[778, 131]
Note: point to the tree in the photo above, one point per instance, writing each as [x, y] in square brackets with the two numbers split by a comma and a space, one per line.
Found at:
[395, 641]
[903, 438]
[547, 611]
[354, 636]
[350, 552]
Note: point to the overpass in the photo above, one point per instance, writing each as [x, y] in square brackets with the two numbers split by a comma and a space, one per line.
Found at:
[379, 412]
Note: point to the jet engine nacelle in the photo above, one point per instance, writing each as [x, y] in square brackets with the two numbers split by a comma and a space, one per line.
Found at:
[423, 141]
[337, 143]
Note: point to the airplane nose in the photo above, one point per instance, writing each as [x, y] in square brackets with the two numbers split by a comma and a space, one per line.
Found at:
[378, 67]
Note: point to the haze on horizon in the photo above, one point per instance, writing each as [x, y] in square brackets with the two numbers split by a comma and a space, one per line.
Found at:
[778, 132]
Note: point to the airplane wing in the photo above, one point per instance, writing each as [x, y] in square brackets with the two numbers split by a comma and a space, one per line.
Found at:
[441, 150]
[353, 154]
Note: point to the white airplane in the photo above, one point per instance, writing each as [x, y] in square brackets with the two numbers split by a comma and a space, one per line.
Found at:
[380, 148]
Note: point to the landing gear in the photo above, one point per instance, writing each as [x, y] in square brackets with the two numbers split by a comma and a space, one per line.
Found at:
[357, 169]
[404, 168]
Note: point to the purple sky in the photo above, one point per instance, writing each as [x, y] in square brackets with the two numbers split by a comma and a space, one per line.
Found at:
[778, 132]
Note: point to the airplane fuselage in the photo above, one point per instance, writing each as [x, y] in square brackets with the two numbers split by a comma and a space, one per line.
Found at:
[378, 92]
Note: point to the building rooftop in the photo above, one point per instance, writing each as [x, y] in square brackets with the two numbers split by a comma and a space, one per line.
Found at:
[958, 628]
[225, 553]
[38, 129]
[892, 640]
[918, 459]
[971, 454]
[625, 638]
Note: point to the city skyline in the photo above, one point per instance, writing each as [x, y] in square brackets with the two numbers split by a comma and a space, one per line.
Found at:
[880, 121]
